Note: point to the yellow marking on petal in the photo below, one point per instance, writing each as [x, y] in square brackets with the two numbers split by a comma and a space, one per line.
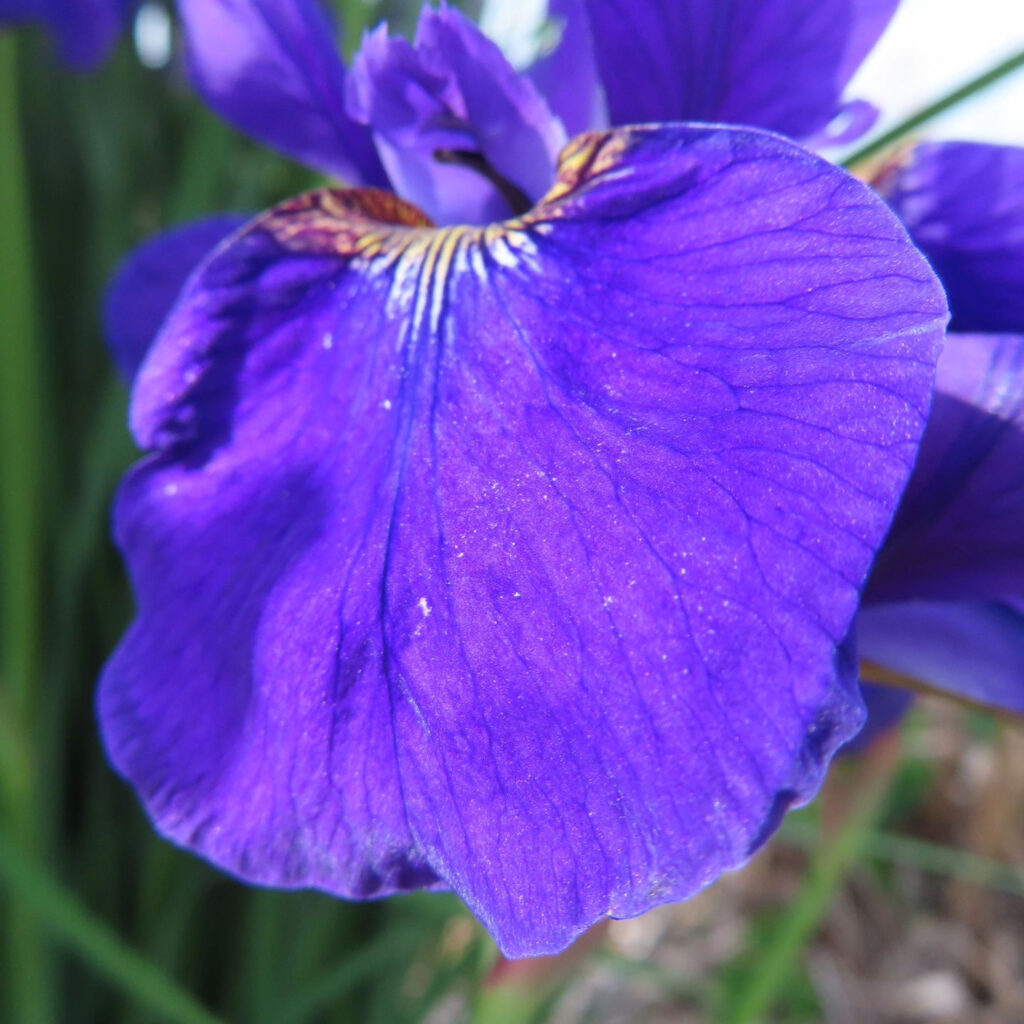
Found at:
[374, 226]
[350, 223]
[584, 159]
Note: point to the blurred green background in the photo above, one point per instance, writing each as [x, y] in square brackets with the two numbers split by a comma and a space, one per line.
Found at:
[868, 904]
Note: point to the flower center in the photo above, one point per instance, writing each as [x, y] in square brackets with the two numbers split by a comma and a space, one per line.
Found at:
[516, 198]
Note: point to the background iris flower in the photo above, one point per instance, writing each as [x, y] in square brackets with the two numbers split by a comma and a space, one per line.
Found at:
[945, 602]
[85, 30]
[517, 558]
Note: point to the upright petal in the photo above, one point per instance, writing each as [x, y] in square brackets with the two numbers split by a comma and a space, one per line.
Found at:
[271, 67]
[454, 122]
[963, 203]
[520, 559]
[959, 533]
[778, 64]
[568, 77]
[147, 283]
[85, 29]
[971, 649]
[869, 19]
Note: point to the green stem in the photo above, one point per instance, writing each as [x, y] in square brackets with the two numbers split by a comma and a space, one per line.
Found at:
[933, 110]
[20, 401]
[88, 936]
[919, 855]
[21, 462]
[209, 150]
[396, 946]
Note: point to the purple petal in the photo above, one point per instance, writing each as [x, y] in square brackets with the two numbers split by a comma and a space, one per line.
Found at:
[963, 203]
[886, 706]
[86, 30]
[778, 64]
[868, 20]
[959, 534]
[568, 78]
[520, 559]
[854, 120]
[148, 282]
[972, 649]
[271, 67]
[453, 92]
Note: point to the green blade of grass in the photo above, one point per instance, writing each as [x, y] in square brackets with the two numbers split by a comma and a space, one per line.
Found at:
[933, 110]
[920, 855]
[77, 928]
[21, 536]
[373, 959]
[20, 407]
[829, 866]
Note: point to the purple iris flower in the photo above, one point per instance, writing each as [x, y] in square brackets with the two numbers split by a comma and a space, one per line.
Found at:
[85, 30]
[945, 605]
[517, 556]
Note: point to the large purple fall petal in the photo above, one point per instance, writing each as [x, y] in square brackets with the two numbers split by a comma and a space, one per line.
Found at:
[147, 283]
[963, 203]
[453, 93]
[971, 649]
[778, 64]
[85, 29]
[271, 67]
[519, 558]
[959, 533]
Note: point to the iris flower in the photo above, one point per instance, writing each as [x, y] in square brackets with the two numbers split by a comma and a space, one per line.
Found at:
[945, 606]
[505, 534]
[85, 30]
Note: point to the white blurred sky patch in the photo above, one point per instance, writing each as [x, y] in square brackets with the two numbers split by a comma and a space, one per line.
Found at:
[153, 35]
[515, 26]
[933, 46]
